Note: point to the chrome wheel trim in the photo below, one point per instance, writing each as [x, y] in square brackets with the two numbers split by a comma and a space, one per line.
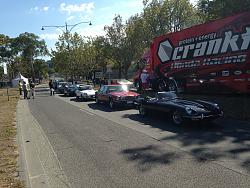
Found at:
[162, 86]
[111, 103]
[177, 119]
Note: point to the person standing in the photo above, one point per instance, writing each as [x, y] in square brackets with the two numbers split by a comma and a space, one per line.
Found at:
[144, 80]
[51, 88]
[20, 87]
[32, 90]
[25, 91]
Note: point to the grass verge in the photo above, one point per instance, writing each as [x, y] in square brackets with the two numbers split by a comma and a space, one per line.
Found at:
[8, 148]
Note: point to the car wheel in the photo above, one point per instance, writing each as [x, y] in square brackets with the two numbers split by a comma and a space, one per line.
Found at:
[111, 103]
[162, 85]
[172, 85]
[82, 98]
[142, 110]
[97, 100]
[176, 118]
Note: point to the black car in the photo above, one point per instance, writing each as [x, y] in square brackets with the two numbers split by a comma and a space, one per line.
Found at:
[179, 109]
[69, 90]
[61, 86]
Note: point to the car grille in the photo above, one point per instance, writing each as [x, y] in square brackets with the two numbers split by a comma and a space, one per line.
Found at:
[130, 98]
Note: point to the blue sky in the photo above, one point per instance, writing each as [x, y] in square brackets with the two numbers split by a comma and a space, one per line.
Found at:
[19, 16]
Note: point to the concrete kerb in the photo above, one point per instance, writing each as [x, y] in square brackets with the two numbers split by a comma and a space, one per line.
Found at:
[40, 162]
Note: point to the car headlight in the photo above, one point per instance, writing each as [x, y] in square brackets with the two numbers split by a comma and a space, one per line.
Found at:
[85, 94]
[216, 106]
[118, 98]
[190, 111]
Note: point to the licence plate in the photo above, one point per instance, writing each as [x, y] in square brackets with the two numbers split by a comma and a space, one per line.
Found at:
[129, 102]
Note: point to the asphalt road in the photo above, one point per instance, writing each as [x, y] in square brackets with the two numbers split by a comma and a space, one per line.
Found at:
[98, 147]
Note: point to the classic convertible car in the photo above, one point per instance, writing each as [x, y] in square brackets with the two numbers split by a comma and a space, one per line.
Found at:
[179, 109]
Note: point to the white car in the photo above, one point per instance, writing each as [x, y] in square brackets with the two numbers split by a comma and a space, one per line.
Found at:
[85, 92]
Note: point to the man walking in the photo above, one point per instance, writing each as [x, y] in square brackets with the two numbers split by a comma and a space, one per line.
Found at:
[52, 91]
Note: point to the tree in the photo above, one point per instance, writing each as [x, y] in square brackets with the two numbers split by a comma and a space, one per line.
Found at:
[29, 47]
[210, 10]
[115, 34]
[41, 68]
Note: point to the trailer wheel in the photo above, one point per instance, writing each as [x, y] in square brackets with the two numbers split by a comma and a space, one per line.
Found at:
[172, 85]
[162, 85]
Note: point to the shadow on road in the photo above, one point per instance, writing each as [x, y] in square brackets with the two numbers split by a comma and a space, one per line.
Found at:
[223, 140]
[163, 122]
[149, 156]
[104, 107]
[81, 100]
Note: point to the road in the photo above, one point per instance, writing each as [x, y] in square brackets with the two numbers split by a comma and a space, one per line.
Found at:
[97, 147]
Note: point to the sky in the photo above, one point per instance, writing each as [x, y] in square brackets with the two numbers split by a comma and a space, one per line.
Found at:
[19, 16]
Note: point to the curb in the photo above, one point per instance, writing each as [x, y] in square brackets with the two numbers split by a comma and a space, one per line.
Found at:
[40, 163]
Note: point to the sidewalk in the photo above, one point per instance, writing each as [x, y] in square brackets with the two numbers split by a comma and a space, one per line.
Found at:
[37, 157]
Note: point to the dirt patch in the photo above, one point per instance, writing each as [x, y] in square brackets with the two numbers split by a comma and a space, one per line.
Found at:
[8, 147]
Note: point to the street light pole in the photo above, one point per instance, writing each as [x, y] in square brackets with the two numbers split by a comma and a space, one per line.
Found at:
[67, 31]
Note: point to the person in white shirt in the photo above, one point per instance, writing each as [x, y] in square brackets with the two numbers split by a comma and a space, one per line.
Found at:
[144, 79]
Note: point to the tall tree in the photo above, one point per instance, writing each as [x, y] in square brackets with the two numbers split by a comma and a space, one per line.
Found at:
[116, 35]
[29, 46]
[215, 9]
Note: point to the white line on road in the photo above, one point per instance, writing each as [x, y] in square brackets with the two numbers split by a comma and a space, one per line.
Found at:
[87, 112]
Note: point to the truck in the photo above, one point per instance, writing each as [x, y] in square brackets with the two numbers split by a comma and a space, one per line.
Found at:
[213, 57]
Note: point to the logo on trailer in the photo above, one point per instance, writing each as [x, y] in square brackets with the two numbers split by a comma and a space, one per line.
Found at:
[165, 51]
[200, 46]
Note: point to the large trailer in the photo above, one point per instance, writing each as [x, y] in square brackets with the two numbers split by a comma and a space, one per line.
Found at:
[211, 57]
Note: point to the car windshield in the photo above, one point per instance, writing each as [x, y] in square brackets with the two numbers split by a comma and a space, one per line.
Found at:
[119, 88]
[166, 95]
[81, 88]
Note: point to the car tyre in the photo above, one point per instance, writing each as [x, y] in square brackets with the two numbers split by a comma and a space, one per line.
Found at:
[162, 85]
[97, 100]
[176, 118]
[142, 110]
[111, 103]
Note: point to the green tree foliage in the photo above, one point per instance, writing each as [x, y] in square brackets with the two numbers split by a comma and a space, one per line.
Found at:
[20, 53]
[116, 36]
[215, 9]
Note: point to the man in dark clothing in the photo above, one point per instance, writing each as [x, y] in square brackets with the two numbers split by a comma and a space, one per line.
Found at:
[32, 90]
[52, 92]
[25, 91]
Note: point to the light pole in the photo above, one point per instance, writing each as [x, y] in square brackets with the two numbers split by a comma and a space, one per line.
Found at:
[68, 28]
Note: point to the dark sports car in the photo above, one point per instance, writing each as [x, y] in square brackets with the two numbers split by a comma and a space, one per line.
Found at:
[179, 109]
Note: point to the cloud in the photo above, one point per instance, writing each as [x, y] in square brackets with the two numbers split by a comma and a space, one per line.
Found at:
[38, 9]
[45, 8]
[70, 18]
[105, 8]
[92, 31]
[84, 7]
[49, 36]
[133, 4]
